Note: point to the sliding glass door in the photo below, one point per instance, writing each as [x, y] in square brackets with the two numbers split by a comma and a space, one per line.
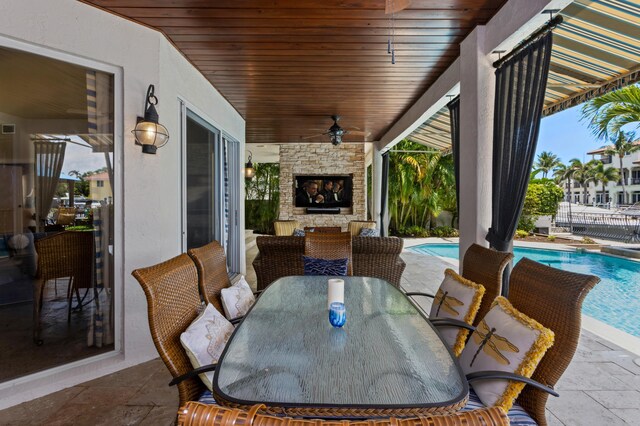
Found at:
[211, 187]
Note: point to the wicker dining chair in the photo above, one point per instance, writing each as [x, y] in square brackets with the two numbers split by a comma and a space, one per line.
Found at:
[194, 413]
[173, 302]
[68, 254]
[554, 298]
[211, 263]
[329, 246]
[485, 266]
[323, 229]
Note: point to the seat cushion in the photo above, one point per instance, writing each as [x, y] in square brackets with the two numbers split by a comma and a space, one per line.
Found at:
[206, 398]
[505, 340]
[517, 415]
[237, 299]
[315, 266]
[205, 339]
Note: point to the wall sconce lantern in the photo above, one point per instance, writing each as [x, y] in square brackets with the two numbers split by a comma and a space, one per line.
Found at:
[249, 171]
[148, 132]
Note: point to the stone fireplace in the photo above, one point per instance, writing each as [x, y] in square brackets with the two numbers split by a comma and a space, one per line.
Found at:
[322, 159]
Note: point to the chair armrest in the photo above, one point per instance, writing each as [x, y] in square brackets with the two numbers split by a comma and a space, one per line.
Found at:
[451, 322]
[193, 373]
[501, 375]
[417, 293]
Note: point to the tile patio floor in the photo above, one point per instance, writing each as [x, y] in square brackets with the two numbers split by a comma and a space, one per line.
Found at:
[601, 386]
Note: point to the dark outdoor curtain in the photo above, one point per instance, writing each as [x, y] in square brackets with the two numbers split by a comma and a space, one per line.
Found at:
[454, 118]
[49, 157]
[384, 196]
[520, 87]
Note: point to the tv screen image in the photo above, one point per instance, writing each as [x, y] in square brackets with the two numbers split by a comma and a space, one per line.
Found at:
[323, 191]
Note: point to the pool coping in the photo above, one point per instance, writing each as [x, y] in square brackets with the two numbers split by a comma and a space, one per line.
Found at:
[616, 336]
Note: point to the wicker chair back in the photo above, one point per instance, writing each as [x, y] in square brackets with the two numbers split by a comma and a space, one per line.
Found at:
[485, 266]
[65, 254]
[214, 415]
[173, 302]
[329, 246]
[554, 298]
[211, 263]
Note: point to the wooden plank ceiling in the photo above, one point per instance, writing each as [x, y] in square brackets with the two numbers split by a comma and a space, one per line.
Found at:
[287, 66]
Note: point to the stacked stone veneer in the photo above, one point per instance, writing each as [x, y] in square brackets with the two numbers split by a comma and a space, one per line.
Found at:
[322, 159]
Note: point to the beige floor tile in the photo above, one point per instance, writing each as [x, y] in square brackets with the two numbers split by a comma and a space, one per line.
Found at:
[616, 399]
[576, 408]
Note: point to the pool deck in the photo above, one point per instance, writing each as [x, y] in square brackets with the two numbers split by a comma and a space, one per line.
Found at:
[601, 386]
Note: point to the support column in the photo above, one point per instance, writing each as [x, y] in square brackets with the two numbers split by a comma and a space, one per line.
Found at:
[376, 184]
[477, 88]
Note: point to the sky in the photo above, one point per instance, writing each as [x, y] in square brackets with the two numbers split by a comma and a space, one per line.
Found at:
[566, 136]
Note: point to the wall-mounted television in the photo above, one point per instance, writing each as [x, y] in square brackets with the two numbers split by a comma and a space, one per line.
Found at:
[323, 191]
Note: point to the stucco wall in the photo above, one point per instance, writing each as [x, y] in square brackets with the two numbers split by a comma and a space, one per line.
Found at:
[322, 159]
[147, 187]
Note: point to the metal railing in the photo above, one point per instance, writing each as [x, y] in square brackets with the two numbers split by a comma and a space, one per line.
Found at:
[616, 226]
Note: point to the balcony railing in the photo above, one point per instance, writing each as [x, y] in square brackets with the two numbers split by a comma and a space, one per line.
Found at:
[635, 181]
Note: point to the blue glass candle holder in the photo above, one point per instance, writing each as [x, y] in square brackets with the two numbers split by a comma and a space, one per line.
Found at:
[337, 314]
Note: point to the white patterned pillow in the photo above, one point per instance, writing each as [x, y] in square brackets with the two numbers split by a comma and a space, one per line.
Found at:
[205, 339]
[457, 298]
[237, 299]
[505, 340]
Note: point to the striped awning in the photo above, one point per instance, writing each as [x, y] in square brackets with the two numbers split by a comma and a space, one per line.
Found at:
[595, 50]
[435, 132]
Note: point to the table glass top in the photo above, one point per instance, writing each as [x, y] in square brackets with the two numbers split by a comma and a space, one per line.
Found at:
[285, 352]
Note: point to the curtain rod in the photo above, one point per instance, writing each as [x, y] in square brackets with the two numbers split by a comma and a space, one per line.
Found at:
[524, 44]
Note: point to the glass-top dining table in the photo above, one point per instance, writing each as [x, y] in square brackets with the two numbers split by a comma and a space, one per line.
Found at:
[387, 360]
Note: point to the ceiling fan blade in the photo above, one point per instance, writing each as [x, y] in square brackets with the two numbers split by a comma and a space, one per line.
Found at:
[358, 133]
[394, 6]
[317, 135]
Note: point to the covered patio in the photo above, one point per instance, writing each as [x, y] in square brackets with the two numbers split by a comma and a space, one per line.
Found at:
[601, 385]
[326, 89]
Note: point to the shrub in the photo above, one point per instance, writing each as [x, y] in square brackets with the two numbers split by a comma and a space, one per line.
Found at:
[444, 232]
[587, 240]
[521, 234]
[551, 238]
[527, 223]
[416, 231]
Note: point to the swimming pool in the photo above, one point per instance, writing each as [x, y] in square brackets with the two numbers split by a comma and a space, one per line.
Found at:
[615, 300]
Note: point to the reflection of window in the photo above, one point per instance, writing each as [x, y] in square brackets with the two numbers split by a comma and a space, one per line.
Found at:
[64, 114]
[100, 183]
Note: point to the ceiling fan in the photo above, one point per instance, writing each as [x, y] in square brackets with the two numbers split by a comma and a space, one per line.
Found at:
[336, 132]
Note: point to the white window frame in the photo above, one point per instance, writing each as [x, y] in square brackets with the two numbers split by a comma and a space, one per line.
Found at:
[115, 355]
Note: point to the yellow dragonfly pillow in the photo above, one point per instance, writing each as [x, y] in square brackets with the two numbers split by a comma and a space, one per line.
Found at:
[460, 299]
[505, 340]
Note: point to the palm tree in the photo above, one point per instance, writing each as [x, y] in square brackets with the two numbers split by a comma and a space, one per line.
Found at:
[564, 172]
[622, 145]
[604, 175]
[420, 185]
[610, 112]
[546, 162]
[582, 174]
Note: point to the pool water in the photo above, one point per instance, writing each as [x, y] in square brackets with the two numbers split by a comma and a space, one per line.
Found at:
[614, 301]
